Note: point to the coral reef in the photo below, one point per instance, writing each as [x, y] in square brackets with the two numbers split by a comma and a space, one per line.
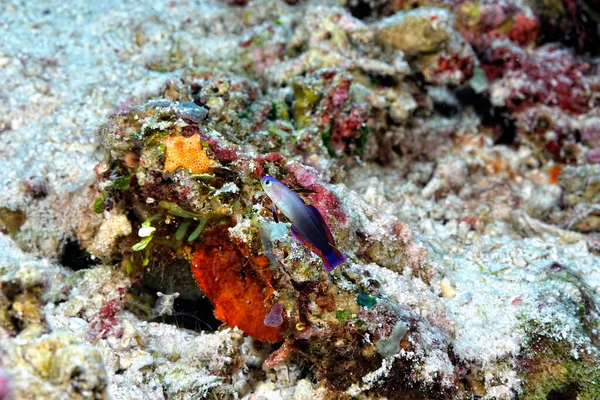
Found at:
[452, 147]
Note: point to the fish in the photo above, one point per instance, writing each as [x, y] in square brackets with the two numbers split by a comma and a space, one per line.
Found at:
[308, 225]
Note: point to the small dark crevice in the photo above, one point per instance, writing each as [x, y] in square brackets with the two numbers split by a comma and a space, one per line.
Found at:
[186, 310]
[16, 324]
[196, 315]
[445, 109]
[75, 257]
[568, 392]
[577, 29]
[469, 97]
[381, 80]
[361, 9]
[508, 131]
[491, 116]
[75, 374]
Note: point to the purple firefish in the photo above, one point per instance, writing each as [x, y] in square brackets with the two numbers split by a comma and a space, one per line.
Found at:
[308, 224]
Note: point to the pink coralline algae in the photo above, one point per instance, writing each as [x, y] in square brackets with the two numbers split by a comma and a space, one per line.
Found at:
[106, 323]
[548, 75]
[319, 196]
[524, 30]
[548, 92]
[452, 68]
[593, 156]
[4, 385]
[523, 49]
[304, 177]
[222, 153]
[340, 120]
[347, 126]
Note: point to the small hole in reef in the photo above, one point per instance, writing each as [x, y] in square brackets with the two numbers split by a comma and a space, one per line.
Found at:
[382, 80]
[197, 315]
[75, 257]
[361, 9]
[556, 267]
[568, 392]
[445, 109]
[490, 115]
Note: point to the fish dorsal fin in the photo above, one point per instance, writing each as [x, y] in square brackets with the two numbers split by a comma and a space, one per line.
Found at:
[318, 219]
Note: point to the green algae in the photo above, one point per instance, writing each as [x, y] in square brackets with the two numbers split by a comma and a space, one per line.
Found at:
[182, 230]
[342, 315]
[147, 236]
[560, 361]
[551, 369]
[279, 111]
[196, 233]
[121, 183]
[326, 138]
[11, 220]
[142, 244]
[98, 205]
[177, 211]
[365, 300]
[306, 97]
[361, 142]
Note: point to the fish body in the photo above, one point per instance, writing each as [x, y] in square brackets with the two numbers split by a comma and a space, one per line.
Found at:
[308, 224]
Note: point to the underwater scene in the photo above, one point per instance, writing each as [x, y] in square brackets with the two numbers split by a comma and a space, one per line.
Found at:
[297, 199]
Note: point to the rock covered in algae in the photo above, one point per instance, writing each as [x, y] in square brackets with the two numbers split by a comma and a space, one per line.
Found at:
[423, 30]
[199, 220]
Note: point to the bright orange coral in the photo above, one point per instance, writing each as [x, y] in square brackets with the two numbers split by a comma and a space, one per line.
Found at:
[187, 153]
[229, 280]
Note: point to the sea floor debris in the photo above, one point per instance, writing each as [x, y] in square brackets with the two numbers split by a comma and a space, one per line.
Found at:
[451, 147]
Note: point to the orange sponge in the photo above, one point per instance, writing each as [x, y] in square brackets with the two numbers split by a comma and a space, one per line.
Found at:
[233, 283]
[187, 153]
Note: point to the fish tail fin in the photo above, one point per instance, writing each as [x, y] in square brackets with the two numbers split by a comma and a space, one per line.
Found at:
[333, 259]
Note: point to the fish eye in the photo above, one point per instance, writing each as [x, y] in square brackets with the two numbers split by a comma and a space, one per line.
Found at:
[267, 182]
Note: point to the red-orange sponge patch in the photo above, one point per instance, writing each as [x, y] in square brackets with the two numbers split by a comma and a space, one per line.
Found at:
[229, 280]
[554, 173]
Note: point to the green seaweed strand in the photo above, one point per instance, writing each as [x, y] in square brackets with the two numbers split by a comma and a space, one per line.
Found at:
[182, 230]
[197, 231]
